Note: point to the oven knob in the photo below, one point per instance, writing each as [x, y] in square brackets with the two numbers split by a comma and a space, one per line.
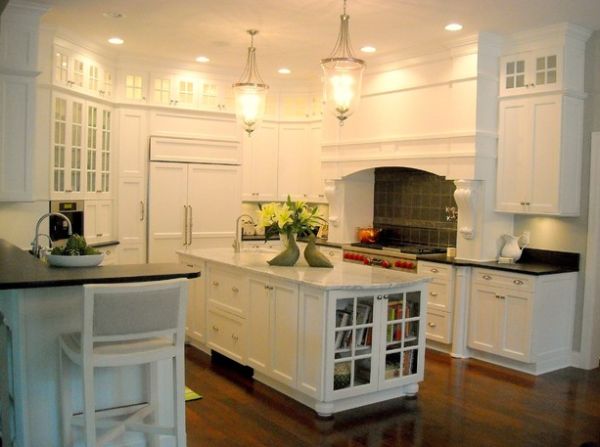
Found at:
[410, 265]
[385, 264]
[366, 261]
[347, 255]
[398, 264]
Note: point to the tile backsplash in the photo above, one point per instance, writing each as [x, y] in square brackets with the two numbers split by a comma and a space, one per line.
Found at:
[415, 207]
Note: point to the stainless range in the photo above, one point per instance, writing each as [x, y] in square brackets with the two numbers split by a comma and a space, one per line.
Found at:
[403, 258]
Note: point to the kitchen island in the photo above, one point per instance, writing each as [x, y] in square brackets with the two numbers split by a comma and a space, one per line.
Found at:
[38, 303]
[331, 338]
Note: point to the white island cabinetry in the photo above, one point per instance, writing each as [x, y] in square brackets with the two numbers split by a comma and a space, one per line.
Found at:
[333, 339]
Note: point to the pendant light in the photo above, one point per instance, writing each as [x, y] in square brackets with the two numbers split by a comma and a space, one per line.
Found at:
[342, 75]
[250, 92]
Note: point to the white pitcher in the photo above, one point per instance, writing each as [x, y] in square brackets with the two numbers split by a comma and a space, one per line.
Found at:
[511, 248]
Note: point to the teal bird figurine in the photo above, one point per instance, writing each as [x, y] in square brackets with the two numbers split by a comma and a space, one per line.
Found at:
[313, 256]
[287, 257]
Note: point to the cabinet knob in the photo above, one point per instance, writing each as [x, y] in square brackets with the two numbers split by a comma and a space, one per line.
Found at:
[500, 297]
[434, 270]
[488, 277]
[68, 190]
[235, 289]
[98, 234]
[215, 328]
[430, 324]
[518, 282]
[433, 293]
[234, 337]
[215, 283]
[190, 265]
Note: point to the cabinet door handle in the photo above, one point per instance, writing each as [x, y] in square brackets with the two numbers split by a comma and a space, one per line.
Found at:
[190, 240]
[434, 270]
[190, 265]
[500, 297]
[433, 294]
[235, 289]
[215, 328]
[488, 277]
[518, 282]
[98, 234]
[215, 283]
[68, 190]
[430, 324]
[142, 211]
[185, 222]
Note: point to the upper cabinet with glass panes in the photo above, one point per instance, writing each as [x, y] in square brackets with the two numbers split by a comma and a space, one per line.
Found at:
[531, 72]
[82, 73]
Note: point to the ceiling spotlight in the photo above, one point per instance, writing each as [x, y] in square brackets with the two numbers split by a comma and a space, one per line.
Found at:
[202, 59]
[116, 41]
[368, 49]
[453, 27]
[284, 71]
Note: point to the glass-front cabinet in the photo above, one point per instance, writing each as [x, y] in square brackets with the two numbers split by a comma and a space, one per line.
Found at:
[376, 341]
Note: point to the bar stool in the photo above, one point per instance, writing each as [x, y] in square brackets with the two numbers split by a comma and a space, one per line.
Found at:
[123, 325]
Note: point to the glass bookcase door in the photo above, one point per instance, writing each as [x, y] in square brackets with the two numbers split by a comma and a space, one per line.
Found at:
[401, 352]
[353, 338]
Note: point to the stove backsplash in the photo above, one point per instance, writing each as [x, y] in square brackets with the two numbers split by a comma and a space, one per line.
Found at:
[415, 207]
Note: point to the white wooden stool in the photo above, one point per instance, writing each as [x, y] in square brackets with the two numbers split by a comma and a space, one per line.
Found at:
[123, 325]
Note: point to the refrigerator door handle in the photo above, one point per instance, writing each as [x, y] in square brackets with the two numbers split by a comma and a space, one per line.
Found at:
[190, 226]
[185, 225]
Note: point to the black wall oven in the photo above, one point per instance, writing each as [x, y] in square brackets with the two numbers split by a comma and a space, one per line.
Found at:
[73, 209]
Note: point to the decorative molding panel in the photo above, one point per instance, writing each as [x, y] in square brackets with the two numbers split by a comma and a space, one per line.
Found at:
[466, 199]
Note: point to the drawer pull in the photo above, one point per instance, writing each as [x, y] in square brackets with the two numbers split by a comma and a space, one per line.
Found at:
[518, 282]
[331, 253]
[434, 270]
[500, 297]
[267, 287]
[433, 293]
[98, 234]
[190, 265]
[235, 289]
[215, 283]
[430, 324]
[488, 277]
[215, 328]
[234, 337]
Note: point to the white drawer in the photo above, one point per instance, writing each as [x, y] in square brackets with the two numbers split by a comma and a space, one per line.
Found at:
[226, 335]
[504, 279]
[439, 327]
[439, 296]
[435, 269]
[226, 290]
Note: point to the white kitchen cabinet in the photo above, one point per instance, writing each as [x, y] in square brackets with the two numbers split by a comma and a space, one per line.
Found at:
[132, 86]
[539, 155]
[98, 150]
[174, 90]
[132, 220]
[440, 300]
[195, 327]
[299, 173]
[132, 141]
[374, 342]
[272, 328]
[260, 171]
[98, 221]
[525, 318]
[300, 106]
[533, 71]
[191, 206]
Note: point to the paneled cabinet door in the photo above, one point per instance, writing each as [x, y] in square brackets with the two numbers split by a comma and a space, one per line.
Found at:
[531, 71]
[133, 142]
[259, 174]
[174, 90]
[294, 162]
[196, 309]
[98, 224]
[133, 86]
[500, 322]
[132, 220]
[68, 150]
[535, 164]
[273, 329]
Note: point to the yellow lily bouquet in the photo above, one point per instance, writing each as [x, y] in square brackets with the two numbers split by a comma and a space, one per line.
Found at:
[290, 217]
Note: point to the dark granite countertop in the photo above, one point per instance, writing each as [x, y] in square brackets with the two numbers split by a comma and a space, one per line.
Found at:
[532, 262]
[20, 270]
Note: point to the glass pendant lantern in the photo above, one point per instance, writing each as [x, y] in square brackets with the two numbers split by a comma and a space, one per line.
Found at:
[342, 75]
[250, 92]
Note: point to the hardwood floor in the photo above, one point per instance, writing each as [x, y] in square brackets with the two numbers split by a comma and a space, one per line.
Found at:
[460, 403]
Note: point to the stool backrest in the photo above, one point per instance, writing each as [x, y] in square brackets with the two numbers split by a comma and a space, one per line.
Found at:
[113, 312]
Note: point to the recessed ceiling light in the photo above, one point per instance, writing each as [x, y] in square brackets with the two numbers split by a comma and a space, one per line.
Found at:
[113, 15]
[284, 71]
[453, 27]
[368, 49]
[202, 59]
[116, 41]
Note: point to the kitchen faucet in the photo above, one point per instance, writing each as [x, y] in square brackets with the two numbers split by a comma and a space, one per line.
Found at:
[237, 242]
[35, 243]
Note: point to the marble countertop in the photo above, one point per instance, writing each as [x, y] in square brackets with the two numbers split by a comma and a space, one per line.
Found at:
[20, 270]
[343, 275]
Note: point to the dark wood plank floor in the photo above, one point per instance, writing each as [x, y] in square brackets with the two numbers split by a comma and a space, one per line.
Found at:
[460, 403]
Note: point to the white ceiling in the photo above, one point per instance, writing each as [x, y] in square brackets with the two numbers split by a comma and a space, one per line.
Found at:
[298, 33]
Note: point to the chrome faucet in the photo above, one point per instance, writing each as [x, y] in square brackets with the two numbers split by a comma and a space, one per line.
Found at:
[35, 246]
[237, 242]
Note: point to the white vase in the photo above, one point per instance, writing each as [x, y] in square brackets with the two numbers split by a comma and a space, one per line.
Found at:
[511, 247]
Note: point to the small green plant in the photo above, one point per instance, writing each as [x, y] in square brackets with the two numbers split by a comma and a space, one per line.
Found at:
[75, 246]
